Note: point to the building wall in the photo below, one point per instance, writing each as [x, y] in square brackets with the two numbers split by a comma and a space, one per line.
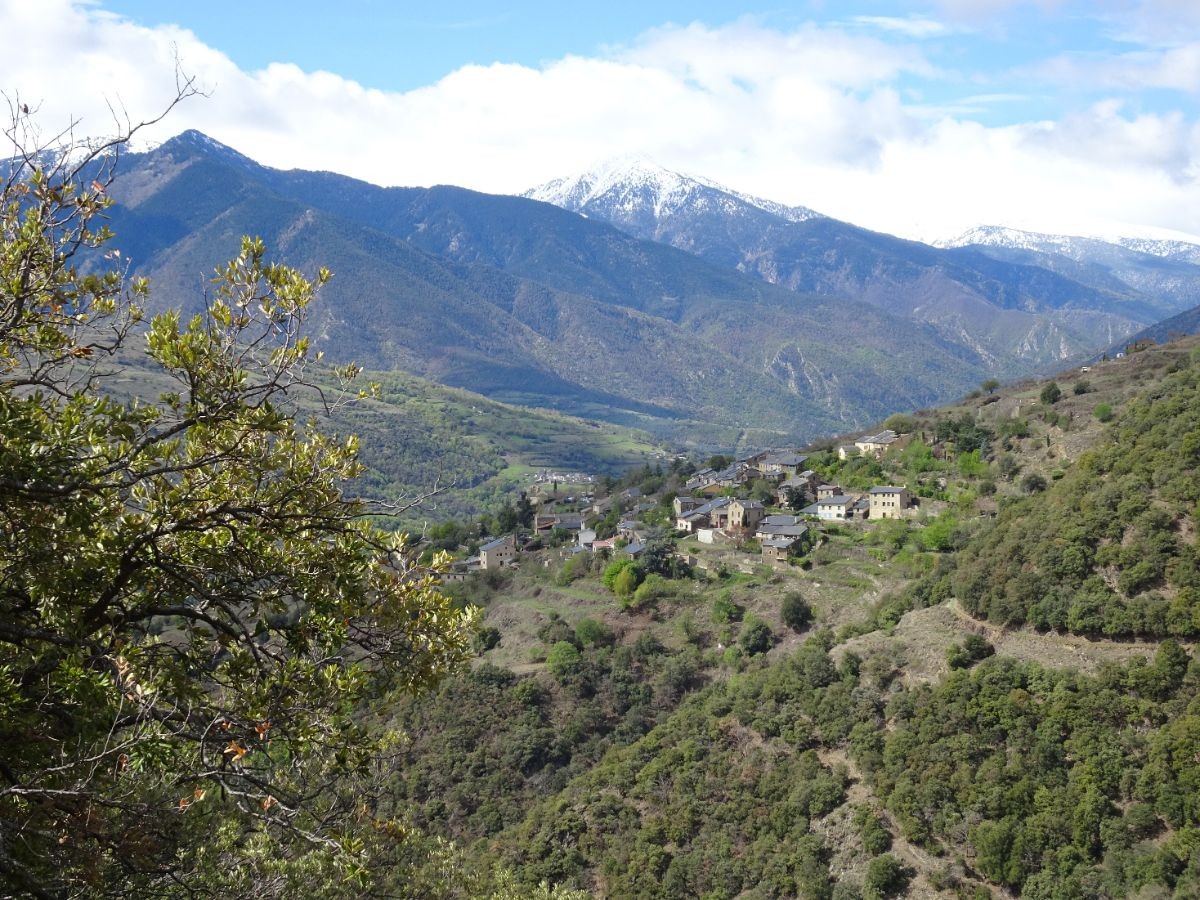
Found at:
[889, 506]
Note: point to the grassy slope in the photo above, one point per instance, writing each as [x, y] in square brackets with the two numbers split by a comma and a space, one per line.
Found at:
[417, 435]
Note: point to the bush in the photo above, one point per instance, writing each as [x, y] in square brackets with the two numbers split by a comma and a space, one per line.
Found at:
[886, 877]
[486, 638]
[1033, 483]
[1081, 387]
[969, 652]
[1103, 412]
[901, 423]
[875, 836]
[796, 613]
[1050, 394]
[756, 636]
[724, 610]
[589, 632]
[612, 570]
[627, 581]
[650, 591]
[563, 660]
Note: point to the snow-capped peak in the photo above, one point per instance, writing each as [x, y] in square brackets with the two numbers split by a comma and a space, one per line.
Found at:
[192, 140]
[1154, 242]
[636, 185]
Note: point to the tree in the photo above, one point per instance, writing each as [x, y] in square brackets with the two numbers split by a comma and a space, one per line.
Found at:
[795, 612]
[525, 512]
[990, 385]
[886, 877]
[1033, 483]
[627, 581]
[563, 660]
[756, 636]
[190, 607]
[1051, 394]
[901, 423]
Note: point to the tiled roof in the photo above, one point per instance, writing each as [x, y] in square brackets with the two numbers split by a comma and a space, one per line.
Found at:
[836, 500]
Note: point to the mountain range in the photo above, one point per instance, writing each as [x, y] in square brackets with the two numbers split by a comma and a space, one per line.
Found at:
[702, 315]
[1023, 303]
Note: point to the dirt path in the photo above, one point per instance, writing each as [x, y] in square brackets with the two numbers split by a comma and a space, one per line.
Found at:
[1053, 649]
[919, 642]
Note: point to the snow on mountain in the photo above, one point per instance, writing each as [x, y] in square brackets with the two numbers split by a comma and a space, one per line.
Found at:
[1077, 247]
[628, 187]
[1071, 246]
[1182, 251]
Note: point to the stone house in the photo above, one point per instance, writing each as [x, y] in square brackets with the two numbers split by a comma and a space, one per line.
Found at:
[746, 513]
[777, 549]
[703, 516]
[682, 505]
[833, 508]
[888, 501]
[877, 445]
[498, 552]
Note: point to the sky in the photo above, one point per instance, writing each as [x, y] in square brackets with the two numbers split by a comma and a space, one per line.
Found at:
[921, 119]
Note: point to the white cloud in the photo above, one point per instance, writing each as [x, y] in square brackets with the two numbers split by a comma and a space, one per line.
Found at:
[1174, 68]
[910, 26]
[812, 116]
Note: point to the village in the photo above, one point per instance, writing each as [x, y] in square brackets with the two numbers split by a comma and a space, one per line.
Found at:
[765, 508]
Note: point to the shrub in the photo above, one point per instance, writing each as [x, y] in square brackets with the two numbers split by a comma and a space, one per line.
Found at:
[969, 652]
[650, 591]
[724, 610]
[796, 613]
[627, 581]
[756, 636]
[1103, 412]
[589, 632]
[886, 877]
[1033, 483]
[1050, 394]
[486, 638]
[563, 660]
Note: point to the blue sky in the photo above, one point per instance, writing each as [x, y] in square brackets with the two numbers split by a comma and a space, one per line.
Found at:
[918, 118]
[988, 56]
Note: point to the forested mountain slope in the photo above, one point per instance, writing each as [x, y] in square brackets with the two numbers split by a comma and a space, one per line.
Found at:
[702, 738]
[419, 437]
[1110, 548]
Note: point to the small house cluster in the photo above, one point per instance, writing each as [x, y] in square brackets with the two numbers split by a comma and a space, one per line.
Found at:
[712, 512]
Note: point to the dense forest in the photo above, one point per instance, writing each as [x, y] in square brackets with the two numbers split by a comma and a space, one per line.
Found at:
[1110, 548]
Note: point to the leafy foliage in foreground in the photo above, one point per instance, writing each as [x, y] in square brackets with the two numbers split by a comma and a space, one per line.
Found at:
[190, 608]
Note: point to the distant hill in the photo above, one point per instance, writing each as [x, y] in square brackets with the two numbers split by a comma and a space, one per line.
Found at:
[530, 304]
[418, 437]
[1187, 322]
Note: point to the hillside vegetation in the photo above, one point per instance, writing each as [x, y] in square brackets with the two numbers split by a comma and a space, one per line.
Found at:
[418, 437]
[688, 741]
[1110, 549]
